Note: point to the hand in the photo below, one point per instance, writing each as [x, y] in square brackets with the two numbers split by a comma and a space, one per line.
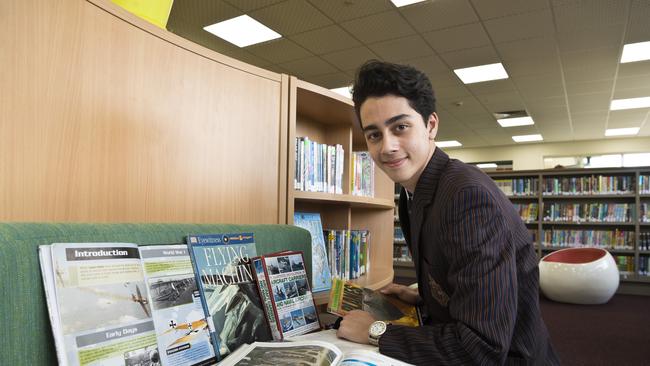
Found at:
[355, 326]
[404, 293]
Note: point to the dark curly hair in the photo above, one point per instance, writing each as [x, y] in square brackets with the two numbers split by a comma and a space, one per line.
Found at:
[377, 79]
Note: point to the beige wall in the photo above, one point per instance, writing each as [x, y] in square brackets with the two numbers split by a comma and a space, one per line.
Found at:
[531, 156]
[103, 120]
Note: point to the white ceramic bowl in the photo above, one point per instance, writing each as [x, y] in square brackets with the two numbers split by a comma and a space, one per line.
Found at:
[579, 275]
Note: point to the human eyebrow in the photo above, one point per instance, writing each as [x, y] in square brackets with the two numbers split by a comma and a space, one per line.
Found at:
[388, 122]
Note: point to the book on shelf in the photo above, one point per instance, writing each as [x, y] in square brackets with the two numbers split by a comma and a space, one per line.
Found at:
[346, 296]
[229, 294]
[644, 184]
[349, 252]
[321, 275]
[117, 303]
[319, 167]
[318, 349]
[363, 174]
[588, 185]
[282, 281]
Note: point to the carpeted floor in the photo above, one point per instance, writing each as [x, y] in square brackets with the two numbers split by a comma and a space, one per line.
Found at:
[616, 333]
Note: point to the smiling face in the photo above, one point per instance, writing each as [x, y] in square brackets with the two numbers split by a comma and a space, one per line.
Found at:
[398, 139]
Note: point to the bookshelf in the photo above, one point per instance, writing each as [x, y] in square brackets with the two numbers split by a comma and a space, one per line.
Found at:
[587, 207]
[328, 118]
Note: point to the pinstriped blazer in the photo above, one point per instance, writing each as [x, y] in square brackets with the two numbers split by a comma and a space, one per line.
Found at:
[477, 274]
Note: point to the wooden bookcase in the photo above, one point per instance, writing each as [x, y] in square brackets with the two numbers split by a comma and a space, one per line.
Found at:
[329, 118]
[634, 199]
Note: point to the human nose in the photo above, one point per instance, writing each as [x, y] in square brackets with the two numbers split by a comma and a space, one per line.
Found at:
[390, 144]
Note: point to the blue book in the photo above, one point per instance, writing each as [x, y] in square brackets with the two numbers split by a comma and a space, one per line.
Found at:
[222, 265]
[321, 277]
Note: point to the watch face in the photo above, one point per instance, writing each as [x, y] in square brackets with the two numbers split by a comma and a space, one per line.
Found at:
[377, 328]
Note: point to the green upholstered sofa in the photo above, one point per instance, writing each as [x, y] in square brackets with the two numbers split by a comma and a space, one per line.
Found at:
[25, 328]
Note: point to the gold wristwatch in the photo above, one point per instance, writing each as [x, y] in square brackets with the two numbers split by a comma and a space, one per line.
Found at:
[376, 330]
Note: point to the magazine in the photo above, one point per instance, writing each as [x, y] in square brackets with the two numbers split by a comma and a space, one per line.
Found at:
[283, 283]
[321, 277]
[348, 296]
[320, 348]
[101, 309]
[228, 290]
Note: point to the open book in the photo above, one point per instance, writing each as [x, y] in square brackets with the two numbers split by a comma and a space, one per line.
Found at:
[320, 348]
[120, 304]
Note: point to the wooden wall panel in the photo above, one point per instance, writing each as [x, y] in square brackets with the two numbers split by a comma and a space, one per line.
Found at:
[103, 121]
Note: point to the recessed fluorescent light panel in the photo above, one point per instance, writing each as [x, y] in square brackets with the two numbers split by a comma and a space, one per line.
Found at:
[477, 74]
[400, 3]
[635, 52]
[527, 138]
[518, 121]
[487, 166]
[344, 91]
[622, 131]
[242, 31]
[451, 143]
[631, 103]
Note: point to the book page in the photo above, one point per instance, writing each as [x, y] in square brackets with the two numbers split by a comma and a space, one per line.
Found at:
[104, 314]
[367, 358]
[179, 319]
[285, 353]
[330, 337]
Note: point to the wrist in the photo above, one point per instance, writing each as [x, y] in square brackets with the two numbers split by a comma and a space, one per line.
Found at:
[376, 331]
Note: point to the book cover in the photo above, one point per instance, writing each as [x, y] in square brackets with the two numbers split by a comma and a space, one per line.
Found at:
[346, 296]
[321, 277]
[291, 302]
[229, 293]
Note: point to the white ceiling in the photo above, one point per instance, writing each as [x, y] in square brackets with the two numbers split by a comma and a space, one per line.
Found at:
[561, 55]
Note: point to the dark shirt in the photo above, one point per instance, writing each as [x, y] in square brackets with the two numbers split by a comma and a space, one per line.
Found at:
[477, 274]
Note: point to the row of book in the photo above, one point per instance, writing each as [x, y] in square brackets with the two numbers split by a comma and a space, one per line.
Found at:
[588, 185]
[363, 174]
[607, 239]
[181, 304]
[518, 186]
[319, 167]
[401, 253]
[349, 252]
[644, 240]
[644, 212]
[644, 265]
[589, 212]
[527, 211]
[625, 264]
[644, 184]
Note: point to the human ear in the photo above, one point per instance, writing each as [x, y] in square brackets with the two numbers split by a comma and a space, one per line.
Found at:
[432, 125]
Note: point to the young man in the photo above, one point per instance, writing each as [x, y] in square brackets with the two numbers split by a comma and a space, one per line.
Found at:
[474, 258]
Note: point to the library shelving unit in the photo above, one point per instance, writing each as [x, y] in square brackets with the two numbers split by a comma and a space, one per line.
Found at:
[404, 268]
[328, 118]
[586, 207]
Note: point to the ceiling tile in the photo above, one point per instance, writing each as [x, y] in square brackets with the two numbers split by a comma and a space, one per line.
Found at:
[431, 15]
[584, 39]
[638, 29]
[373, 28]
[192, 15]
[605, 58]
[634, 69]
[527, 48]
[533, 66]
[589, 102]
[579, 14]
[331, 81]
[397, 50]
[590, 87]
[249, 5]
[444, 79]
[350, 60]
[325, 40]
[307, 67]
[342, 10]
[491, 87]
[633, 82]
[588, 72]
[455, 93]
[593, 119]
[279, 50]
[470, 57]
[457, 38]
[470, 106]
[499, 8]
[544, 115]
[534, 87]
[303, 17]
[502, 102]
[632, 93]
[521, 26]
[430, 64]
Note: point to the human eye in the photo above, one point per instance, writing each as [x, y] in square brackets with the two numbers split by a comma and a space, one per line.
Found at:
[373, 136]
[401, 127]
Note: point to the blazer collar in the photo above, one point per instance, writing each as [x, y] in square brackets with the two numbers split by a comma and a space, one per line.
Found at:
[427, 185]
